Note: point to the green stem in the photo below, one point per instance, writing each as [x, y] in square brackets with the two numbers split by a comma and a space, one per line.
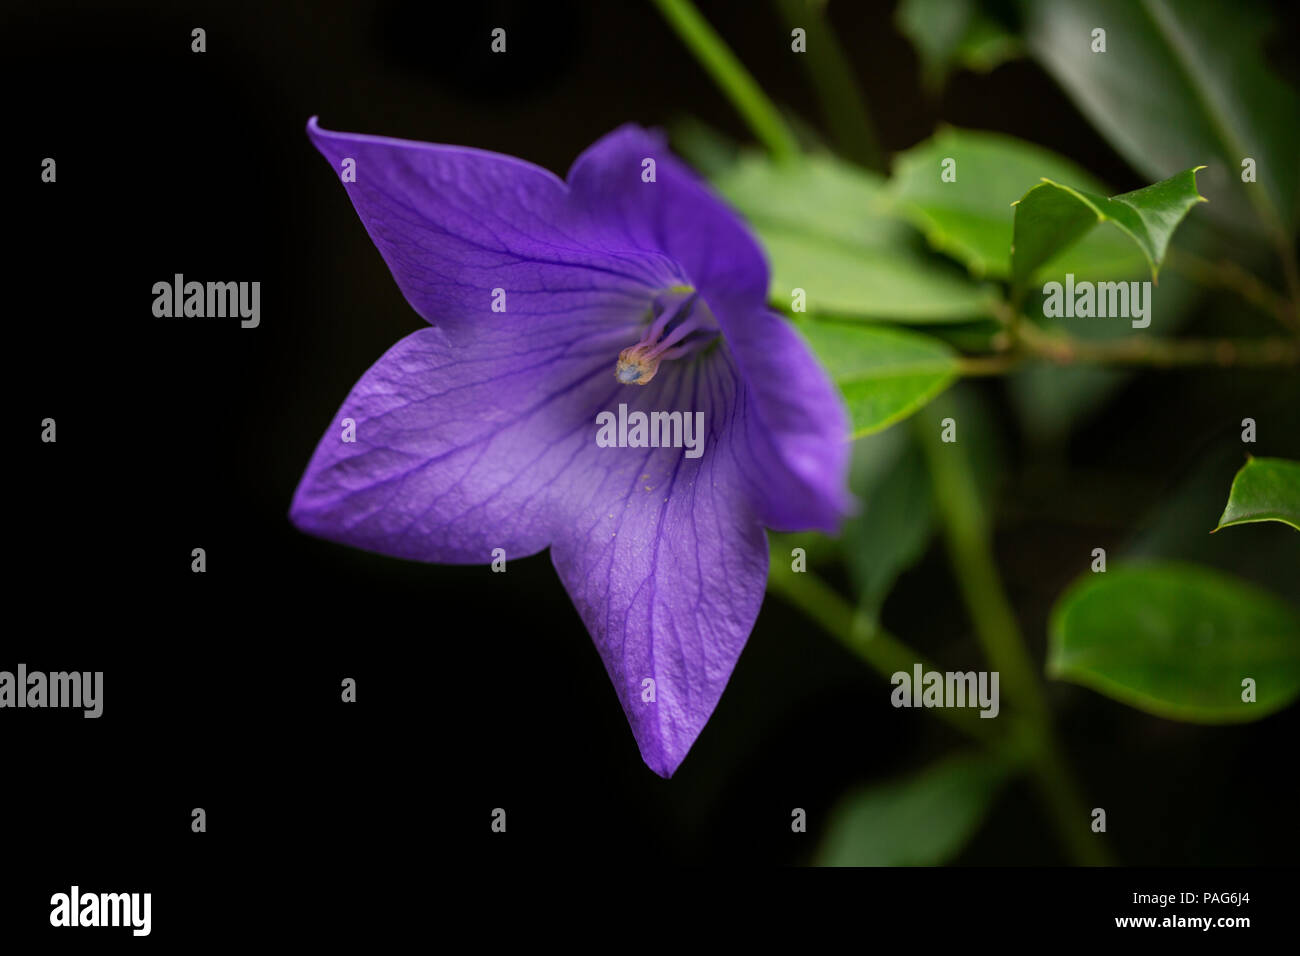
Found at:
[844, 110]
[969, 541]
[1028, 341]
[1228, 275]
[975, 366]
[970, 546]
[1160, 353]
[877, 648]
[731, 76]
[1286, 251]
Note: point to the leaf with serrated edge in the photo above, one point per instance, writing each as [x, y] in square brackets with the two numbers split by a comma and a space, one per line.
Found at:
[1051, 217]
[971, 219]
[1181, 82]
[1265, 489]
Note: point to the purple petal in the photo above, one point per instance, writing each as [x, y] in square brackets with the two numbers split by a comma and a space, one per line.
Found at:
[458, 450]
[676, 214]
[796, 427]
[666, 564]
[462, 450]
[453, 224]
[480, 434]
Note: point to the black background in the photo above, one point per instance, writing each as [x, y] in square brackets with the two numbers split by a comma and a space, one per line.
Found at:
[475, 690]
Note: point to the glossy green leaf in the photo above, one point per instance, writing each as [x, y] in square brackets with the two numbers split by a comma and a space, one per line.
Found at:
[1180, 83]
[884, 374]
[1177, 640]
[924, 820]
[1266, 489]
[1173, 526]
[844, 282]
[971, 218]
[827, 228]
[1052, 217]
[819, 196]
[954, 33]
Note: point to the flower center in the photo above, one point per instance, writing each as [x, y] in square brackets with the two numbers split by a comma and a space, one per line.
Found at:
[680, 324]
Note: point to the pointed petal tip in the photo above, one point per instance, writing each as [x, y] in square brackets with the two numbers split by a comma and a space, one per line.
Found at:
[314, 130]
[663, 773]
[661, 763]
[300, 516]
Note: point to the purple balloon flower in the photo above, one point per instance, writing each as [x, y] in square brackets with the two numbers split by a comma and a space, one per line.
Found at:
[565, 315]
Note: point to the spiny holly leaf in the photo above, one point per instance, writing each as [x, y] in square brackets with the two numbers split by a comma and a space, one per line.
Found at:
[1178, 641]
[958, 187]
[1175, 528]
[1265, 489]
[1181, 82]
[884, 374]
[1052, 217]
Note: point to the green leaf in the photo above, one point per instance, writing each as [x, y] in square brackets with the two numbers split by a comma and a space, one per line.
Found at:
[987, 45]
[818, 196]
[1052, 217]
[884, 374]
[922, 821]
[828, 228]
[895, 516]
[1174, 525]
[1180, 83]
[1266, 489]
[821, 549]
[888, 285]
[954, 33]
[971, 219]
[1177, 640]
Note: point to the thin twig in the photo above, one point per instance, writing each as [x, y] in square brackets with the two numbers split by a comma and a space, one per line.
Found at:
[1226, 274]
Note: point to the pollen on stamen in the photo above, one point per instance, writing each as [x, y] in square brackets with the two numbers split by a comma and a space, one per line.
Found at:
[634, 366]
[680, 325]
